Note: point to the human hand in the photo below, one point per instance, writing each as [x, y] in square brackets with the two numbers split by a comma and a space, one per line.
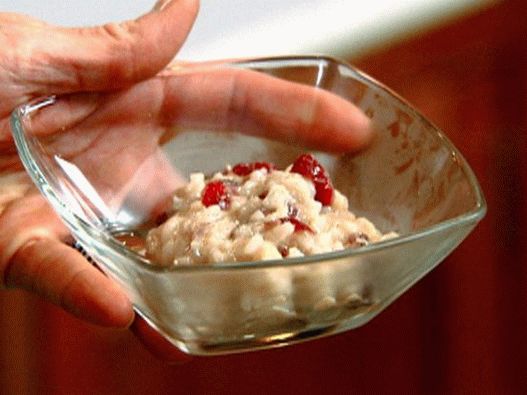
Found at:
[38, 59]
[34, 255]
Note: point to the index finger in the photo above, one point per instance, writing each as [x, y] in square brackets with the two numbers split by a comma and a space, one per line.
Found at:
[262, 105]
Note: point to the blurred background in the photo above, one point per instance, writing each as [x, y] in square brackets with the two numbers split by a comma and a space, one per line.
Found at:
[462, 329]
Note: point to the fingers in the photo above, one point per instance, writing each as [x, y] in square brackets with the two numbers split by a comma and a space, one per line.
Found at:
[61, 275]
[33, 258]
[110, 56]
[217, 99]
[261, 105]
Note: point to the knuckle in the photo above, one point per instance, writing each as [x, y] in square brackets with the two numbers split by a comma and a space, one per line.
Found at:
[119, 33]
[237, 102]
[121, 44]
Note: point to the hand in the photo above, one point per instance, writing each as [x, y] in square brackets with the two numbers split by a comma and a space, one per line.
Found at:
[33, 253]
[38, 59]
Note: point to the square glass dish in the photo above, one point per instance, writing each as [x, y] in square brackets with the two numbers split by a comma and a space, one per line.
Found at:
[108, 164]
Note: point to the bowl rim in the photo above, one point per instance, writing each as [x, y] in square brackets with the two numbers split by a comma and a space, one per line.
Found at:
[68, 216]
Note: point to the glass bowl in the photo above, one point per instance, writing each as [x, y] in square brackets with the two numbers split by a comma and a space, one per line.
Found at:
[108, 164]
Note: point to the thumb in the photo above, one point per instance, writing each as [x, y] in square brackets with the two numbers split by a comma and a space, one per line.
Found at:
[112, 55]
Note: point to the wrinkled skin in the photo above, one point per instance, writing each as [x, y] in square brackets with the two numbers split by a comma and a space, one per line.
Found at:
[94, 67]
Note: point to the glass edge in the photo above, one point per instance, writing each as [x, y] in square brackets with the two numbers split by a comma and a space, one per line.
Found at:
[21, 143]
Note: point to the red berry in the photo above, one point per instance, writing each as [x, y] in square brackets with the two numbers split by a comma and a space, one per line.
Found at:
[161, 218]
[324, 193]
[216, 192]
[244, 169]
[283, 250]
[310, 168]
[299, 225]
[307, 166]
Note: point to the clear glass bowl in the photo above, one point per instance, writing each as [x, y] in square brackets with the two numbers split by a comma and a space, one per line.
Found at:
[108, 163]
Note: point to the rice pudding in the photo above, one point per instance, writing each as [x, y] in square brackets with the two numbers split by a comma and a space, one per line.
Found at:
[254, 211]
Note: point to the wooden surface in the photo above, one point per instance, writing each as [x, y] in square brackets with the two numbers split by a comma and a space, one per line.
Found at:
[462, 329]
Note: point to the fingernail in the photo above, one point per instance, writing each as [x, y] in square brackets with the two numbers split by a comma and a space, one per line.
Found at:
[161, 5]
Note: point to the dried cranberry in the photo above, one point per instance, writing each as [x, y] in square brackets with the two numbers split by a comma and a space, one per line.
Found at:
[216, 192]
[324, 193]
[283, 250]
[161, 218]
[310, 168]
[244, 169]
[263, 195]
[299, 225]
